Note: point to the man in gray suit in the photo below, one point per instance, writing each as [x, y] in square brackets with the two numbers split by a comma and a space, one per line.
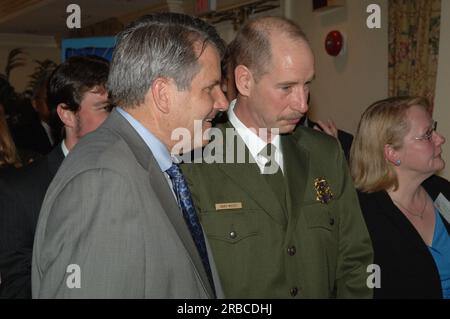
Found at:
[111, 225]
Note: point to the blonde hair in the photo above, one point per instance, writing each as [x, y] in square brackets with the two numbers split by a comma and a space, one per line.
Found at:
[383, 123]
[8, 152]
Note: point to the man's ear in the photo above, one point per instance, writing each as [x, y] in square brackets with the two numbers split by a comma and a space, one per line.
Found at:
[390, 154]
[66, 115]
[244, 79]
[161, 93]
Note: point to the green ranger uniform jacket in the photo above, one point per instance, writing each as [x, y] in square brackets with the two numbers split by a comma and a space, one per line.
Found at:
[304, 239]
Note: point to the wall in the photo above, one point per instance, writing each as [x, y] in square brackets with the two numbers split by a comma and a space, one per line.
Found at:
[442, 100]
[36, 47]
[345, 85]
[226, 29]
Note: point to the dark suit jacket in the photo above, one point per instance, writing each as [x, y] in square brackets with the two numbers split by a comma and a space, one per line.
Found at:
[27, 131]
[21, 195]
[407, 267]
[345, 139]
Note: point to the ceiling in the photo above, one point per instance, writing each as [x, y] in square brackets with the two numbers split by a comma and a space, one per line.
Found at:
[48, 17]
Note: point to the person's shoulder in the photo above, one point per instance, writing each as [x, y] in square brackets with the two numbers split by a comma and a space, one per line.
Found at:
[372, 202]
[310, 138]
[369, 203]
[319, 146]
[369, 197]
[344, 136]
[27, 175]
[102, 150]
[437, 184]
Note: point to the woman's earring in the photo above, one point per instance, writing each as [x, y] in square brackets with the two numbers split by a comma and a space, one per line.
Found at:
[398, 162]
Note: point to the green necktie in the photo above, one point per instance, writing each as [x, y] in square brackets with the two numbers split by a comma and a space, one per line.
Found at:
[273, 174]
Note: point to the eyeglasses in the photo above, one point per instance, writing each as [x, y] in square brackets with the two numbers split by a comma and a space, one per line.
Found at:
[429, 134]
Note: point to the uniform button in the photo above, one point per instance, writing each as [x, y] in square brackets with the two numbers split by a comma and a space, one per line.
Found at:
[291, 251]
[294, 291]
[331, 221]
[233, 235]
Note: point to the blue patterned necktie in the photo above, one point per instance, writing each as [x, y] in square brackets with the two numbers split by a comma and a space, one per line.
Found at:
[190, 216]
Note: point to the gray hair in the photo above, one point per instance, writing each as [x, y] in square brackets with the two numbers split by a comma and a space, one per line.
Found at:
[154, 46]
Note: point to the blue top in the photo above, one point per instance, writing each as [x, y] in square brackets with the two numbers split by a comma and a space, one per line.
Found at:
[158, 149]
[440, 249]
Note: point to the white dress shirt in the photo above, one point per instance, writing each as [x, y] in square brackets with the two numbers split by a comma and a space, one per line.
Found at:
[253, 142]
[64, 148]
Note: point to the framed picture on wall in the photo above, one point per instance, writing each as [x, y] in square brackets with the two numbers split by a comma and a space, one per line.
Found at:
[100, 46]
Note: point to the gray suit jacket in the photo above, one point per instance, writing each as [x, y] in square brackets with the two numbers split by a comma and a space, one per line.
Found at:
[110, 211]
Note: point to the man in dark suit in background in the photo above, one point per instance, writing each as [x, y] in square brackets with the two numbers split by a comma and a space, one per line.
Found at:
[28, 135]
[329, 127]
[78, 98]
[39, 103]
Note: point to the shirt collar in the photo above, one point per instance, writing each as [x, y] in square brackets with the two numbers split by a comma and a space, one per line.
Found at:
[253, 142]
[158, 149]
[64, 149]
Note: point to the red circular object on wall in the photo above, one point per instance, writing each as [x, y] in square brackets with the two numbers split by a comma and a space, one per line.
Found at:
[334, 43]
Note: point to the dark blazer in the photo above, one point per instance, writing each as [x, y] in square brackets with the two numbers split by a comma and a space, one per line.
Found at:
[345, 139]
[21, 195]
[27, 131]
[407, 267]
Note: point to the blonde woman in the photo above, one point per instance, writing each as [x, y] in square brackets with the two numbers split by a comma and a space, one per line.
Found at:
[394, 157]
[8, 152]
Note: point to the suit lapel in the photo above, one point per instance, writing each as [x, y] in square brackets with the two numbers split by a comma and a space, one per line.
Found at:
[296, 167]
[405, 228]
[161, 188]
[54, 160]
[168, 203]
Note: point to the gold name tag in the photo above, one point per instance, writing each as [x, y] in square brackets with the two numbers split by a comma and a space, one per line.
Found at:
[223, 206]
